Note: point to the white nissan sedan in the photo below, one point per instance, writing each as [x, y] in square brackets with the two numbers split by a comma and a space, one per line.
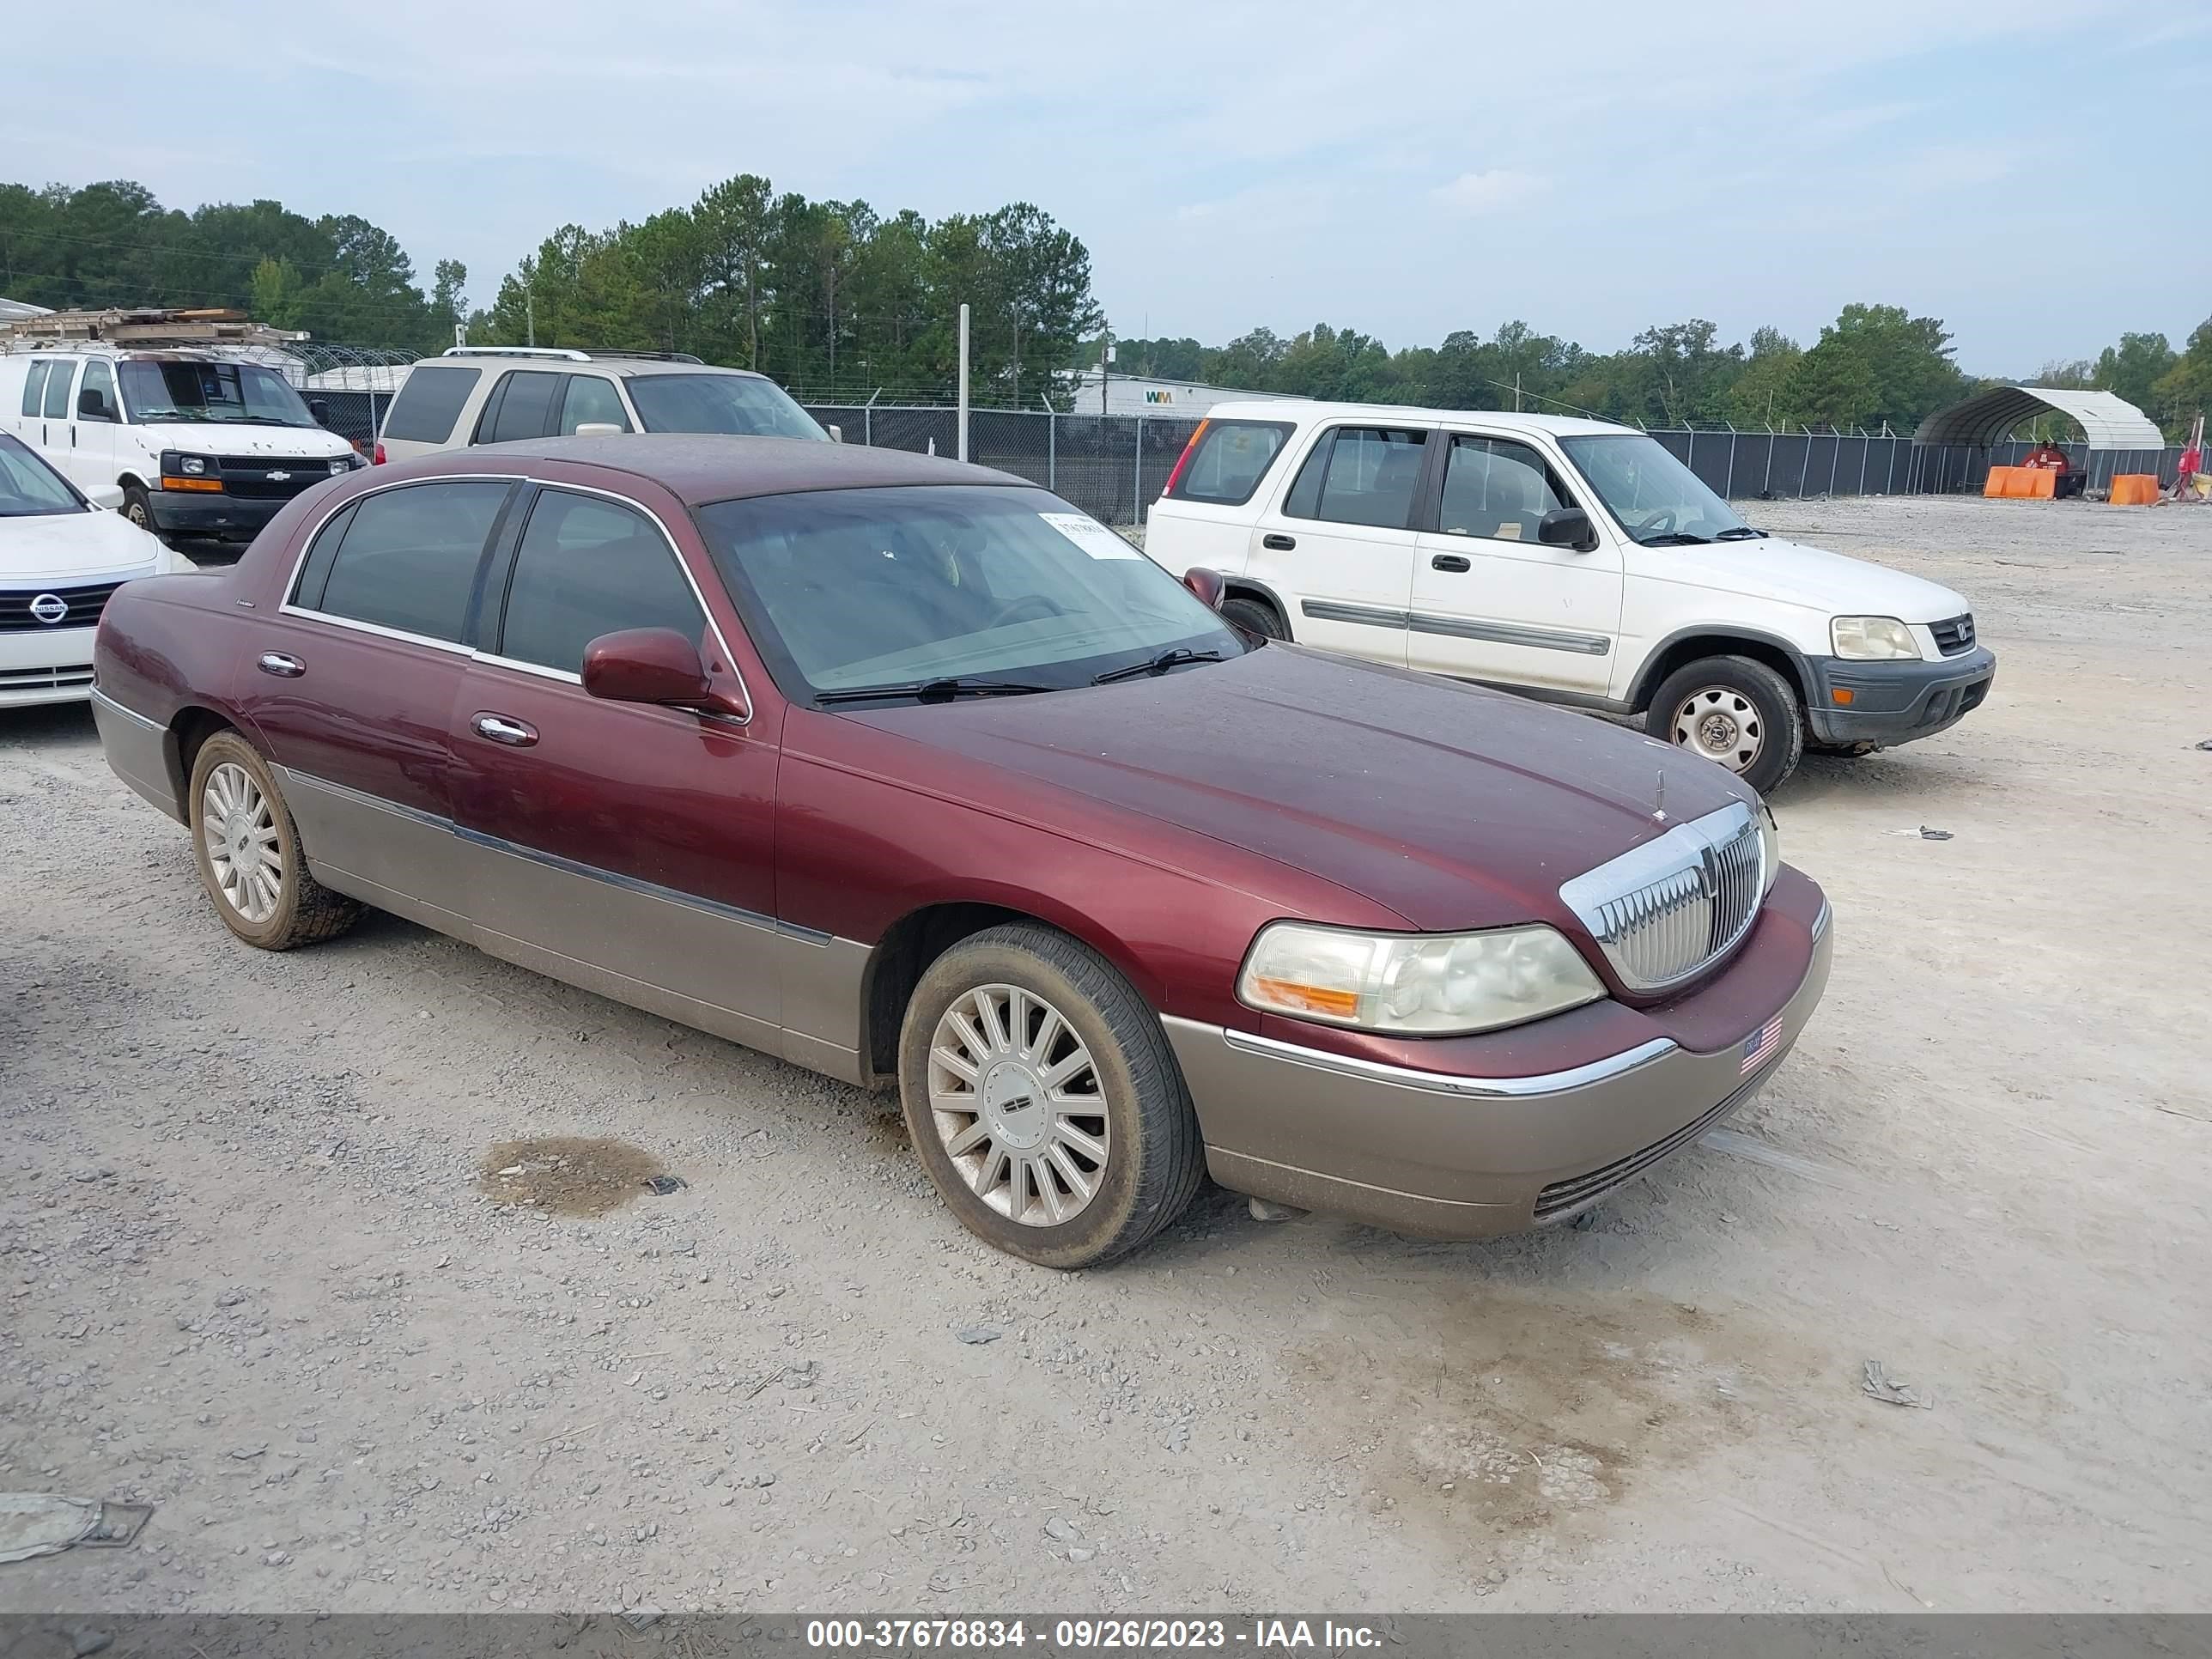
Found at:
[62, 554]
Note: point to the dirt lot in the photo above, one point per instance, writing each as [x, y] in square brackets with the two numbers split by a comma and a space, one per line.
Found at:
[259, 1269]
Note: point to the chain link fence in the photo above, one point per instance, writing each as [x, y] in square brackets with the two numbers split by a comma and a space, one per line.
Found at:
[1114, 466]
[348, 388]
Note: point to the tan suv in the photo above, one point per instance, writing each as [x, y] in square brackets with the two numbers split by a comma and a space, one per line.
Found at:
[496, 394]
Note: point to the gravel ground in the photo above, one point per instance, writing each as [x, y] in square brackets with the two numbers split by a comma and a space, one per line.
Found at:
[257, 1274]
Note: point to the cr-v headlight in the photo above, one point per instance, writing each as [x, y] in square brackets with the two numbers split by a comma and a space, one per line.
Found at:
[1872, 639]
[1414, 984]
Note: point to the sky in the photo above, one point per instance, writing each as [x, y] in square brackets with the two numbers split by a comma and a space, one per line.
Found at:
[1593, 166]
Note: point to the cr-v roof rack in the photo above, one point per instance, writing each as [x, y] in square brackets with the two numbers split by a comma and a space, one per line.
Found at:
[147, 325]
[566, 353]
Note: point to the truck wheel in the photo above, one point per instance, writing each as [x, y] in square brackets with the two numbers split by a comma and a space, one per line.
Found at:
[1254, 617]
[1043, 1097]
[248, 850]
[139, 507]
[1736, 712]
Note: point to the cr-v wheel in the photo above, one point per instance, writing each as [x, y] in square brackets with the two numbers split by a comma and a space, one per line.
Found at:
[1736, 712]
[1043, 1100]
[248, 850]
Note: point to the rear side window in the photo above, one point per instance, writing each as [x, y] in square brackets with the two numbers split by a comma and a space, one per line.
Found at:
[57, 390]
[403, 558]
[1360, 475]
[588, 567]
[519, 407]
[590, 399]
[1229, 460]
[34, 385]
[429, 403]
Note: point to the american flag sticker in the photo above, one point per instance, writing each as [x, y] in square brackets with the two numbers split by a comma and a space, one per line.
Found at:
[1759, 1047]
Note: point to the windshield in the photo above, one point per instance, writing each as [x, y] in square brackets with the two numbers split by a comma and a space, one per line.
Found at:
[229, 394]
[850, 589]
[736, 403]
[29, 487]
[1657, 499]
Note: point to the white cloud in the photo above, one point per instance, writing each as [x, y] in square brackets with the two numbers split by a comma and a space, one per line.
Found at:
[1488, 190]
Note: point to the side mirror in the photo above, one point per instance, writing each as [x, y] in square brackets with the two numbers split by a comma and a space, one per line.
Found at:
[597, 429]
[1207, 584]
[92, 405]
[1567, 526]
[837, 433]
[319, 410]
[655, 665]
[108, 498]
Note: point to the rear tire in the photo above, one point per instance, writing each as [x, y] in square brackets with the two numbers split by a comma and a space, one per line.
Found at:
[1254, 617]
[248, 852]
[1043, 1100]
[1736, 712]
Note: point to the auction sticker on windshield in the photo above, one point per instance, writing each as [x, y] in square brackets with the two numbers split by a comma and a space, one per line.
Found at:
[1092, 537]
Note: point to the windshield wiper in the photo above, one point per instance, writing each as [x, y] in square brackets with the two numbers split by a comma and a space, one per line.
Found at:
[1742, 532]
[943, 690]
[1158, 665]
[1675, 538]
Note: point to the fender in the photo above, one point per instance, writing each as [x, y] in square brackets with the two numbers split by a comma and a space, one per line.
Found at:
[1646, 681]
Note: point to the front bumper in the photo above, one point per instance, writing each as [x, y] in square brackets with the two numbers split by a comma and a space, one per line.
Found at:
[1894, 703]
[45, 665]
[219, 518]
[1467, 1158]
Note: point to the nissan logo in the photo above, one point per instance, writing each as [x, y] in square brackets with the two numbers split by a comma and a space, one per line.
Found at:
[280, 478]
[50, 608]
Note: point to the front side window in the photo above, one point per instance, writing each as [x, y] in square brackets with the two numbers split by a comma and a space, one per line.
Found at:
[59, 379]
[848, 590]
[404, 558]
[34, 385]
[518, 407]
[97, 378]
[1228, 459]
[1657, 500]
[429, 404]
[739, 405]
[1496, 488]
[588, 567]
[225, 394]
[591, 400]
[1360, 475]
[29, 488]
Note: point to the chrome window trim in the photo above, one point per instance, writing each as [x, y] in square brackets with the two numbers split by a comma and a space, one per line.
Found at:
[682, 564]
[1480, 1088]
[517, 665]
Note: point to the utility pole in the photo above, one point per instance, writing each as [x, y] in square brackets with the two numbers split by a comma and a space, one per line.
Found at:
[964, 381]
[530, 316]
[1516, 391]
[1105, 366]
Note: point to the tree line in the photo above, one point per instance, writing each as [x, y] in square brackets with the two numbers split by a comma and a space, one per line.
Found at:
[839, 301]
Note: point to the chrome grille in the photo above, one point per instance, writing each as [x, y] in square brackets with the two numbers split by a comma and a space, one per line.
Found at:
[1679, 903]
[1955, 637]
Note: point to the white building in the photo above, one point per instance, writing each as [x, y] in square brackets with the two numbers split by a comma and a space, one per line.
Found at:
[1185, 400]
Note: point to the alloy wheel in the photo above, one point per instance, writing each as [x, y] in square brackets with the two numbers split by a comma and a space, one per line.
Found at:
[239, 831]
[1016, 1098]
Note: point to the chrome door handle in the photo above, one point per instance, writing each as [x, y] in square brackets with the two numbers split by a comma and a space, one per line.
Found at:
[499, 729]
[283, 666]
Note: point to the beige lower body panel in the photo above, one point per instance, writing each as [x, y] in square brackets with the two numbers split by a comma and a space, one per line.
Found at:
[1424, 1159]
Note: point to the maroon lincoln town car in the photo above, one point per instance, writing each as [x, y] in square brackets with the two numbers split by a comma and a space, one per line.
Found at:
[906, 770]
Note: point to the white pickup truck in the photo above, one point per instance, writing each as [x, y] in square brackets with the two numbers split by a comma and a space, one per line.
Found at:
[1568, 559]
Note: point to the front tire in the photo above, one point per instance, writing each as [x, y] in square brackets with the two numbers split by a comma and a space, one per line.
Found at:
[249, 856]
[138, 508]
[1043, 1100]
[1736, 712]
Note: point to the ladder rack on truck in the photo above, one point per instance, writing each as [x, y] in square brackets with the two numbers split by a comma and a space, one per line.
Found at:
[145, 325]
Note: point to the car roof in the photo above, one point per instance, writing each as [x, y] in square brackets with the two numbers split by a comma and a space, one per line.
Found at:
[1306, 413]
[615, 363]
[703, 467]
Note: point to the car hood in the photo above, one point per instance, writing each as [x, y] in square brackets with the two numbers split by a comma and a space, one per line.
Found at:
[72, 547]
[1795, 573]
[1452, 805]
[216, 438]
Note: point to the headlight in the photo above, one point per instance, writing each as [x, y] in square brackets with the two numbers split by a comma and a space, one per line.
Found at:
[1872, 639]
[1414, 984]
[341, 465]
[182, 472]
[191, 466]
